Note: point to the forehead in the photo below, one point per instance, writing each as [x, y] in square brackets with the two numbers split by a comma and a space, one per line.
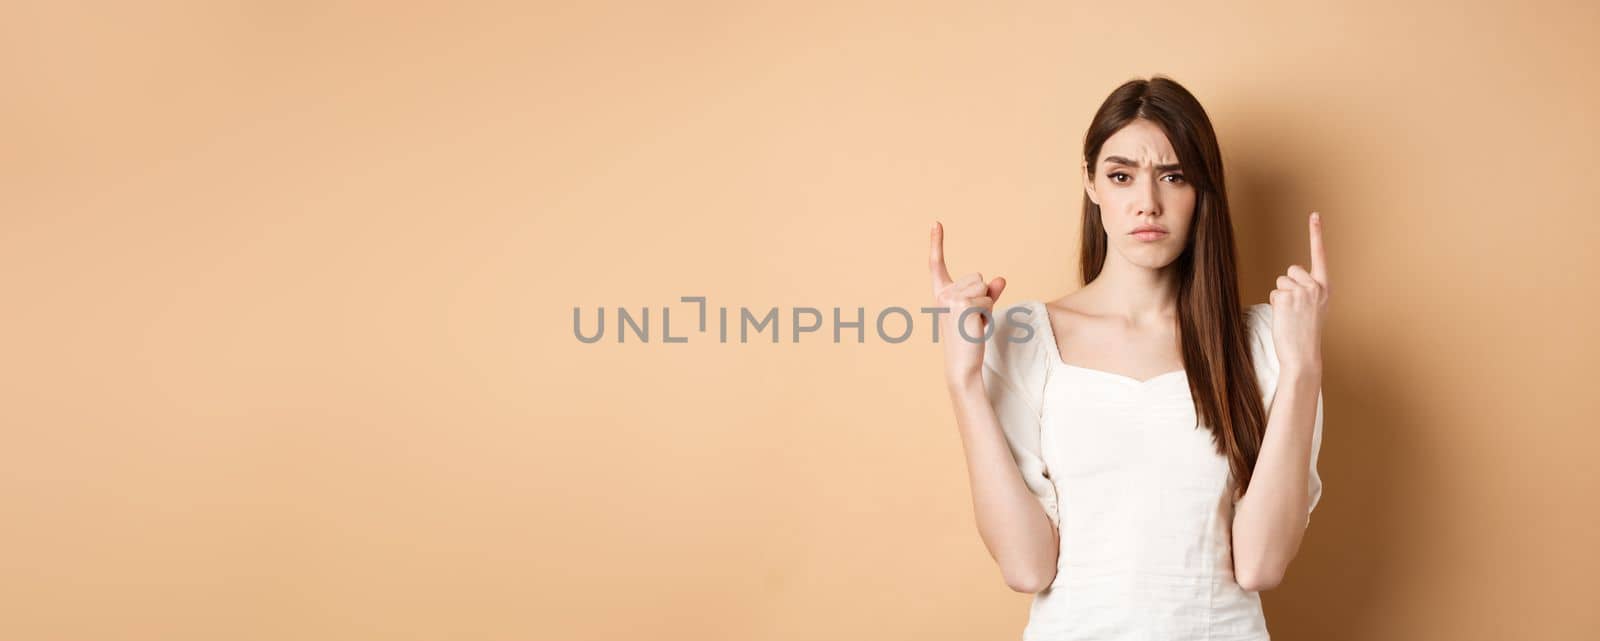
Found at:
[1141, 141]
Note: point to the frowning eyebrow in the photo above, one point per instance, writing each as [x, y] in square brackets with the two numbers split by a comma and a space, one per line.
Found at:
[1119, 160]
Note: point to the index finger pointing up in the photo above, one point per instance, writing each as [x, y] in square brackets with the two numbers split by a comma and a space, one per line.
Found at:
[1319, 255]
[941, 276]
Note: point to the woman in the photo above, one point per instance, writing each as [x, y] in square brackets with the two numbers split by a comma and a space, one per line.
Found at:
[1143, 450]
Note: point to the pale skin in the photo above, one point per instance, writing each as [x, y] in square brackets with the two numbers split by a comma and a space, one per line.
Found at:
[1132, 307]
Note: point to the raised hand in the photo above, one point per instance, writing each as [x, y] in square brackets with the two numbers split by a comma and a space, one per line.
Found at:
[963, 358]
[1299, 305]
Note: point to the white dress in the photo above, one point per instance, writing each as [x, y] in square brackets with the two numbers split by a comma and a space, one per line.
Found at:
[1143, 500]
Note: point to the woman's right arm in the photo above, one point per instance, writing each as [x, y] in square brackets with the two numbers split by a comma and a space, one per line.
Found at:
[1012, 522]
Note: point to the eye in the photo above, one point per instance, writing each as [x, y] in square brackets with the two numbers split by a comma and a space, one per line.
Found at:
[1114, 176]
[1178, 177]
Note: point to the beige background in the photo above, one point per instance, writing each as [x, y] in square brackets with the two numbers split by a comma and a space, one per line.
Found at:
[289, 288]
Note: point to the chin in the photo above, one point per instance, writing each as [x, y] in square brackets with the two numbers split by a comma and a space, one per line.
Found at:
[1150, 257]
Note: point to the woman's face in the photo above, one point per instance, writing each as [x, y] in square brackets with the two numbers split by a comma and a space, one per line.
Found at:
[1138, 182]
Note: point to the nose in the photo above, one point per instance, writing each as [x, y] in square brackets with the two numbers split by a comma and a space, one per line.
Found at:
[1145, 200]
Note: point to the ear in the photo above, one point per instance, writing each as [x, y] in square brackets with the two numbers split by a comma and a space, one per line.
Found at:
[1088, 184]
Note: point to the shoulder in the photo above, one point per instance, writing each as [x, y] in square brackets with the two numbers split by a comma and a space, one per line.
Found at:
[1018, 346]
[1258, 334]
[1258, 320]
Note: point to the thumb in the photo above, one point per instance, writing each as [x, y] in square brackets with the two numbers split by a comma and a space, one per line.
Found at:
[995, 287]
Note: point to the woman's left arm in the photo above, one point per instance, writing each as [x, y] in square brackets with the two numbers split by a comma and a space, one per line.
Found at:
[1270, 520]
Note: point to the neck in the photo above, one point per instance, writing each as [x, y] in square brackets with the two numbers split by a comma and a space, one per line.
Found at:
[1139, 295]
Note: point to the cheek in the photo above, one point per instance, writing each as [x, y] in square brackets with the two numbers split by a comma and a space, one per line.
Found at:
[1184, 204]
[1112, 200]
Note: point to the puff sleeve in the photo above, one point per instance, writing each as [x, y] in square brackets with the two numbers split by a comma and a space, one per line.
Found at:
[1265, 353]
[1014, 369]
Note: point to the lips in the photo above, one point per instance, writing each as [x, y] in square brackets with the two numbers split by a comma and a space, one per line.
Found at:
[1151, 228]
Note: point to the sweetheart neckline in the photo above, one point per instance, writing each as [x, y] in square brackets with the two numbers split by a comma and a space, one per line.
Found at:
[1055, 355]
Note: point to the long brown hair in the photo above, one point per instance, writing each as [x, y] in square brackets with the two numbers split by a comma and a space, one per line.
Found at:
[1211, 323]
